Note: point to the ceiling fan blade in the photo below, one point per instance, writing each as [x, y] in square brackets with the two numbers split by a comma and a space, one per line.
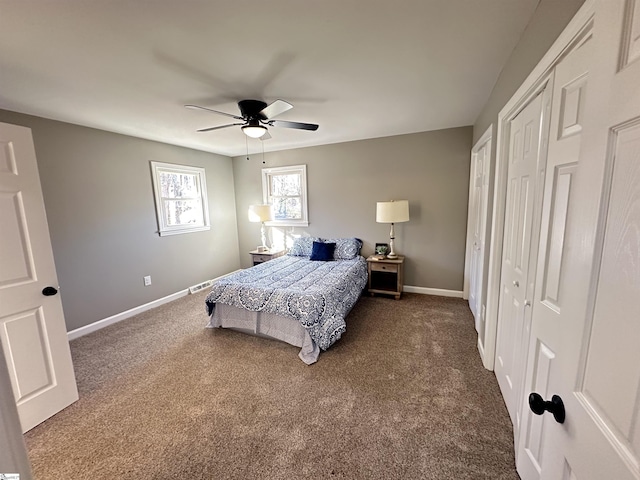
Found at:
[275, 108]
[298, 125]
[219, 127]
[197, 107]
[266, 136]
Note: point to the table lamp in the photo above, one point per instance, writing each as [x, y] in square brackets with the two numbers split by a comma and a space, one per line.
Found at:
[392, 212]
[262, 214]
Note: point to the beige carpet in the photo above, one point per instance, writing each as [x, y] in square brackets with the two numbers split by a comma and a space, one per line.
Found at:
[402, 395]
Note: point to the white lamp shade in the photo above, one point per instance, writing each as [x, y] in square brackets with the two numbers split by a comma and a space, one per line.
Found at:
[260, 213]
[394, 211]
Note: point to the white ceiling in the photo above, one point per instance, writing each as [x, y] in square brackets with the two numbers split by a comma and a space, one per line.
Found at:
[359, 68]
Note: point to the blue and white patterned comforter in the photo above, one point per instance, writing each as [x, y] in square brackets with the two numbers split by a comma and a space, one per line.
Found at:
[318, 294]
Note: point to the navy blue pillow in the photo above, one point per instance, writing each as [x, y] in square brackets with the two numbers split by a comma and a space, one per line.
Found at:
[322, 251]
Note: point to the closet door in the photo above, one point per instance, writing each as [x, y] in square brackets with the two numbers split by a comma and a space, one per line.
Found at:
[513, 315]
[567, 118]
[592, 351]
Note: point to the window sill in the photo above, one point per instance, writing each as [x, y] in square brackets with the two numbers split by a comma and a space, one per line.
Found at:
[180, 231]
[292, 223]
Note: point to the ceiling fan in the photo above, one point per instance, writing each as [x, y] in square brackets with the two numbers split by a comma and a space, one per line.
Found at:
[255, 116]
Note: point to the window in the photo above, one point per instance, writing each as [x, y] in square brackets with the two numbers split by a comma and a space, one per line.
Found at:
[181, 198]
[286, 189]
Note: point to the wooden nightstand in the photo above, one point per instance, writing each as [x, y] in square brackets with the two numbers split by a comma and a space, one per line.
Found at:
[386, 276]
[261, 257]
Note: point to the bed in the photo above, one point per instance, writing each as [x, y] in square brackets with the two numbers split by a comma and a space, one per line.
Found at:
[301, 298]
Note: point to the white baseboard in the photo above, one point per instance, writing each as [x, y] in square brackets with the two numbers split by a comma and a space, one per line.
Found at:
[432, 291]
[105, 322]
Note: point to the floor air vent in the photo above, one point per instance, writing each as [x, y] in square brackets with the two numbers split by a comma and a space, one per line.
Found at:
[200, 286]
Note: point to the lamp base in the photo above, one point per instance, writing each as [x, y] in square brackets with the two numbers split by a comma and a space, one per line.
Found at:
[392, 254]
[262, 249]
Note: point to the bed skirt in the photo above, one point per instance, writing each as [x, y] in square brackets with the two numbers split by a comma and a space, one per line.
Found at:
[266, 325]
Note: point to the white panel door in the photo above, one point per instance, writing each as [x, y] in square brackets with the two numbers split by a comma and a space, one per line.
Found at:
[479, 192]
[567, 118]
[524, 149]
[474, 214]
[32, 327]
[596, 371]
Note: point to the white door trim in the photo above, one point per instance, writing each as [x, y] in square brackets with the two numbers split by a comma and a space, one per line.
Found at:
[531, 86]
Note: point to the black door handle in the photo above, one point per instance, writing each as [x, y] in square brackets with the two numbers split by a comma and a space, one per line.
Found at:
[555, 406]
[48, 291]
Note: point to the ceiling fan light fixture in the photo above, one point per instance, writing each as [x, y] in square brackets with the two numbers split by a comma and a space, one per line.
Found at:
[254, 131]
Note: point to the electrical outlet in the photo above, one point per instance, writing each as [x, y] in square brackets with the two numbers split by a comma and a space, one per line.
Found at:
[147, 280]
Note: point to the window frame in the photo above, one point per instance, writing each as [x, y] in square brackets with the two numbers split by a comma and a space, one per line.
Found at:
[157, 168]
[301, 170]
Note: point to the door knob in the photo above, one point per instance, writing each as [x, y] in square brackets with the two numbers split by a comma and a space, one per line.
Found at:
[527, 303]
[555, 406]
[516, 283]
[48, 291]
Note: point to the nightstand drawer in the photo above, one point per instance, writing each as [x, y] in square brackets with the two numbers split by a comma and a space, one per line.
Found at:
[384, 267]
[264, 256]
[261, 258]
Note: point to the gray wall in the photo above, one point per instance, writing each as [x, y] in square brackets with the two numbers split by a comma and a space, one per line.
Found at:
[548, 21]
[345, 181]
[99, 200]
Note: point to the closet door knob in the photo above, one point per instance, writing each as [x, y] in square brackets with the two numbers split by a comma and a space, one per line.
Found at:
[516, 283]
[555, 406]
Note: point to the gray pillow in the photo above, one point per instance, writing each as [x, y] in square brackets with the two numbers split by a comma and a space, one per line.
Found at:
[346, 248]
[302, 247]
